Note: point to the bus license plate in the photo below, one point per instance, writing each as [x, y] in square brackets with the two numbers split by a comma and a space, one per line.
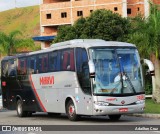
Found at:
[123, 110]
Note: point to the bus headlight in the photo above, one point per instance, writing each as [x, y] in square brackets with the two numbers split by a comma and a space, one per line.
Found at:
[101, 103]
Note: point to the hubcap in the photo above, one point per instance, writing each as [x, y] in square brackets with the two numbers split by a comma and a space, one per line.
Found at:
[71, 110]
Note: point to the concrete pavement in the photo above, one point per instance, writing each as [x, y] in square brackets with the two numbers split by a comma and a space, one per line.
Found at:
[147, 115]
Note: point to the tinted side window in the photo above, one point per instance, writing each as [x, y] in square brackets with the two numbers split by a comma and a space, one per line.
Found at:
[5, 68]
[22, 66]
[12, 71]
[83, 70]
[32, 65]
[42, 63]
[67, 60]
[54, 61]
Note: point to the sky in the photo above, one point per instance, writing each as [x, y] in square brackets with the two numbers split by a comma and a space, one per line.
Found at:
[9, 4]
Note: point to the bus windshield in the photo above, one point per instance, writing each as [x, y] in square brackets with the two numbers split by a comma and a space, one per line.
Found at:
[117, 71]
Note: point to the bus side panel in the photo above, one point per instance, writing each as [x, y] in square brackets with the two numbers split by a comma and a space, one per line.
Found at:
[53, 89]
[10, 92]
[27, 94]
[50, 87]
[12, 86]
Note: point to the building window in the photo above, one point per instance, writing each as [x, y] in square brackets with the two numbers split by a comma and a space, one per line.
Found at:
[91, 11]
[64, 15]
[138, 9]
[129, 11]
[48, 16]
[79, 13]
[115, 8]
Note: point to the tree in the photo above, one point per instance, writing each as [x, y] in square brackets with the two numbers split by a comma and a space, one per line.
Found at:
[146, 35]
[101, 24]
[65, 32]
[13, 43]
[104, 24]
[9, 41]
[26, 45]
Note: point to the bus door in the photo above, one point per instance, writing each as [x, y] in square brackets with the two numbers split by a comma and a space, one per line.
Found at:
[82, 68]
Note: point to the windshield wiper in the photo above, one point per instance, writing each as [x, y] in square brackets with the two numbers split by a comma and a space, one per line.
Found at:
[125, 74]
[127, 78]
[121, 76]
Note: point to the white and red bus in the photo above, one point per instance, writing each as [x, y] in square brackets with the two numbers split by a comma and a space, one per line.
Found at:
[77, 77]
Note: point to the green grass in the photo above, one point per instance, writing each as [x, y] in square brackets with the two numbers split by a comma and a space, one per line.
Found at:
[152, 107]
[26, 20]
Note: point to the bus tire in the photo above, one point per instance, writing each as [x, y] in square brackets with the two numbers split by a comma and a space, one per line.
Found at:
[114, 117]
[71, 111]
[20, 111]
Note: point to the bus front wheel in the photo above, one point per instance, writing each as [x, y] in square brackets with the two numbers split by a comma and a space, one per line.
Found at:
[71, 111]
[20, 111]
[114, 117]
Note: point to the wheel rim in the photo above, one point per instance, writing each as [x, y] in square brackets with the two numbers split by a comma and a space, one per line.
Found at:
[71, 110]
[19, 108]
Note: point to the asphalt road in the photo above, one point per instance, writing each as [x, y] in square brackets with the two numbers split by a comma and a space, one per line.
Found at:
[10, 118]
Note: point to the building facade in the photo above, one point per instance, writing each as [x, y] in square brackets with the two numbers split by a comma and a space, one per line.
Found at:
[156, 1]
[135, 7]
[54, 13]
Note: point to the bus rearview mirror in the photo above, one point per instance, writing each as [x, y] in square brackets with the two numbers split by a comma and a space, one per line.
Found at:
[91, 69]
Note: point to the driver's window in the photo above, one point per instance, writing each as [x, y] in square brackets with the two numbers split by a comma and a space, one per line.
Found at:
[83, 70]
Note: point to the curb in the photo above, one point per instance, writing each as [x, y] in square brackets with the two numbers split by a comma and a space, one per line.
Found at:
[156, 116]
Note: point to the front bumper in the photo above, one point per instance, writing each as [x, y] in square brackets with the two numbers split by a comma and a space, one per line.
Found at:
[108, 110]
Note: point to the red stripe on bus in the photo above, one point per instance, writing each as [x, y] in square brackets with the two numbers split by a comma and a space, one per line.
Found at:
[37, 94]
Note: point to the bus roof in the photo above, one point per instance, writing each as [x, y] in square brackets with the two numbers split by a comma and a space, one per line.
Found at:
[90, 43]
[14, 56]
[86, 43]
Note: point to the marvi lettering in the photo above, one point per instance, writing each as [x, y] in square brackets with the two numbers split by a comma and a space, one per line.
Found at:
[47, 80]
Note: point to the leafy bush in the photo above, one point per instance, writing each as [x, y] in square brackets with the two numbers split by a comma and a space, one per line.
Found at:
[101, 24]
